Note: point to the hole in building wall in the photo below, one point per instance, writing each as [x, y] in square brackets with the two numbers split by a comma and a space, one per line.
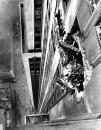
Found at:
[74, 57]
[82, 56]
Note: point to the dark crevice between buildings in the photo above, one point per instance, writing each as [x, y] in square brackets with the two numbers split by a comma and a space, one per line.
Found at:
[35, 73]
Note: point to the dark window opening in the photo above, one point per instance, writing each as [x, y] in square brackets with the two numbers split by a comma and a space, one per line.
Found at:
[37, 17]
[37, 4]
[38, 11]
[38, 46]
[35, 50]
[38, 39]
[37, 29]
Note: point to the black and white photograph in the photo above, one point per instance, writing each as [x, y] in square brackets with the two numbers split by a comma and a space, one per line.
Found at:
[50, 64]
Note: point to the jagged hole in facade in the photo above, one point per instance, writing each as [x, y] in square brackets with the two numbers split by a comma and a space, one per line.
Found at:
[76, 71]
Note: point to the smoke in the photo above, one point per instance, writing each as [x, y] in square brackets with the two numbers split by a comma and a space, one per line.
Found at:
[9, 12]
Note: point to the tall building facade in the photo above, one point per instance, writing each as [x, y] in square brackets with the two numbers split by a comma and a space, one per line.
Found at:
[59, 19]
[55, 25]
